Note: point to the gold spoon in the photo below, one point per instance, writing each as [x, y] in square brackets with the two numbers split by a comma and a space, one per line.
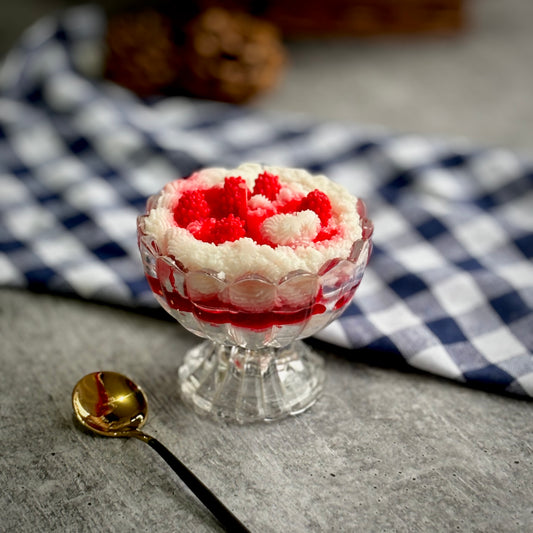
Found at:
[112, 405]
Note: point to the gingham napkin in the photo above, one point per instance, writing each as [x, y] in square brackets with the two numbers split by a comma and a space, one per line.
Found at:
[449, 289]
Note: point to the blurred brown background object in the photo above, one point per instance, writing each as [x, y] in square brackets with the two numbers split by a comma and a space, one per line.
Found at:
[231, 56]
[140, 52]
[218, 54]
[469, 80]
[232, 50]
[298, 18]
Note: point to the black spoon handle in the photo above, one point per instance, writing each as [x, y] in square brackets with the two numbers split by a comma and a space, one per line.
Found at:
[227, 519]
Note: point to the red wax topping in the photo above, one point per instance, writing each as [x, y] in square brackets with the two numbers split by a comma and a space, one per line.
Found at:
[229, 228]
[234, 198]
[254, 220]
[191, 206]
[292, 206]
[203, 229]
[212, 197]
[318, 202]
[326, 233]
[268, 185]
[221, 213]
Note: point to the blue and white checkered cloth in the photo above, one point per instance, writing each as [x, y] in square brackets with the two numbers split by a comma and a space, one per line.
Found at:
[449, 289]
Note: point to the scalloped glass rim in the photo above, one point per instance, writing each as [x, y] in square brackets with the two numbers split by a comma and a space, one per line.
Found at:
[251, 292]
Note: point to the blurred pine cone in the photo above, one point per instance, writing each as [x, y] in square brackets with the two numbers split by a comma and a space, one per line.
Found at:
[141, 53]
[230, 56]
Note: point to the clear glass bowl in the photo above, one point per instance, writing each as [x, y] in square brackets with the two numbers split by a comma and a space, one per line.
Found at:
[253, 365]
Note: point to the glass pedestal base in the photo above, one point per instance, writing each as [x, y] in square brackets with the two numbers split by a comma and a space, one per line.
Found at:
[245, 385]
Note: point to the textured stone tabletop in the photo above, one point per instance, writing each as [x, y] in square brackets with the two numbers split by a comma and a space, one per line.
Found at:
[382, 450]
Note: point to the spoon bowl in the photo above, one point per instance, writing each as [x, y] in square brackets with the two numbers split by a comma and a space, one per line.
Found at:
[110, 404]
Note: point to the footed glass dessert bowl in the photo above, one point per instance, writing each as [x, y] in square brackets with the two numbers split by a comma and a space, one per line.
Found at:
[252, 313]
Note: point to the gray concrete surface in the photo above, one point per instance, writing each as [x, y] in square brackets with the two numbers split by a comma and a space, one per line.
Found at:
[383, 450]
